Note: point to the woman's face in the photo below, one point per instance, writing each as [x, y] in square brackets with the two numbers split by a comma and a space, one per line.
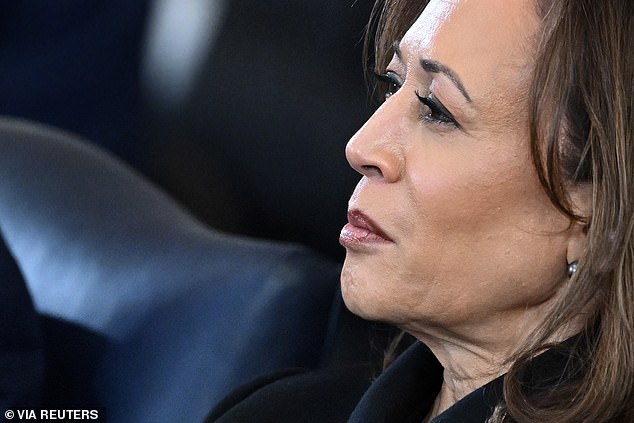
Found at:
[449, 226]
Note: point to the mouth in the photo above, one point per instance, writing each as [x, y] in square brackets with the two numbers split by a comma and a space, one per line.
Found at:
[361, 230]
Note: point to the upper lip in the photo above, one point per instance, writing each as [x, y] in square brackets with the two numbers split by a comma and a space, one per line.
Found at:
[358, 218]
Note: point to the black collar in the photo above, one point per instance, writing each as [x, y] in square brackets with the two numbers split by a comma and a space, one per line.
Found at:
[405, 392]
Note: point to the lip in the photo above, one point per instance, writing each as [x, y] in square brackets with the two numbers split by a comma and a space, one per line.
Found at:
[361, 230]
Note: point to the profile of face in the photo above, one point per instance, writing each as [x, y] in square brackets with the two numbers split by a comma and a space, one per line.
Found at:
[449, 228]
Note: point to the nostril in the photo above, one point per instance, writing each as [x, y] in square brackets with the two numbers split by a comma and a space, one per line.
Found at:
[370, 170]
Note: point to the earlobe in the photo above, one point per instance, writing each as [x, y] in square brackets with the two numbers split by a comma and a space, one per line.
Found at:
[577, 241]
[581, 198]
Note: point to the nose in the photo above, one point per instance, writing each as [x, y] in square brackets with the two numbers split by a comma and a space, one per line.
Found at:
[374, 150]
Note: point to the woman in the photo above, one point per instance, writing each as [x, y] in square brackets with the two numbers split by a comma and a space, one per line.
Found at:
[493, 220]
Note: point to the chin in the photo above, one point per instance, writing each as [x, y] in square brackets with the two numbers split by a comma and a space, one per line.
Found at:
[356, 292]
[352, 304]
[350, 290]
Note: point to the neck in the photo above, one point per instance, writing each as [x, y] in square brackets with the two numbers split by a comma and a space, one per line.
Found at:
[465, 370]
[476, 355]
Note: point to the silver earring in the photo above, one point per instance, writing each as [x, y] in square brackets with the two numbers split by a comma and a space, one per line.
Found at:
[572, 268]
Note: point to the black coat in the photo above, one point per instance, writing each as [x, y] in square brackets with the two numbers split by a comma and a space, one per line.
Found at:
[404, 393]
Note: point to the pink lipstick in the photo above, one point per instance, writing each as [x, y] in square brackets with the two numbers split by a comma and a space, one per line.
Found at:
[361, 230]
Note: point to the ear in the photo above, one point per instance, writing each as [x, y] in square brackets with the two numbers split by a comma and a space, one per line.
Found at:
[581, 199]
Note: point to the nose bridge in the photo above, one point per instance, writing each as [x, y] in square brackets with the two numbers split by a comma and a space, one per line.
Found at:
[374, 151]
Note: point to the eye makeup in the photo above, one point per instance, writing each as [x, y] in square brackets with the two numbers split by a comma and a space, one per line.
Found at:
[437, 113]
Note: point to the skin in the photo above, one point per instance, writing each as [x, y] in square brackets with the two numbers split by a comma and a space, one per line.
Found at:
[476, 252]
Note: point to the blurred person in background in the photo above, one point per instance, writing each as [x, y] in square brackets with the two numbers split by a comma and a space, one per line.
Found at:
[167, 86]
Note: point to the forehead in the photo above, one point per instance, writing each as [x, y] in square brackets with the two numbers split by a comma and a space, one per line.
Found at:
[488, 43]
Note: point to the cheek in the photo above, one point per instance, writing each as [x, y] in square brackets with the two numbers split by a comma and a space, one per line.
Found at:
[487, 220]
[445, 195]
[472, 189]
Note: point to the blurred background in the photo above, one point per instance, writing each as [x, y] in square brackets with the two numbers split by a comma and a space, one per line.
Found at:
[240, 109]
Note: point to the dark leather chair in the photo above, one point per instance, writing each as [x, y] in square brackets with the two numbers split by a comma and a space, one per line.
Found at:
[21, 345]
[144, 310]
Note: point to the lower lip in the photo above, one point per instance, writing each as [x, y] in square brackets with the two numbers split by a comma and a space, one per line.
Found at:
[352, 236]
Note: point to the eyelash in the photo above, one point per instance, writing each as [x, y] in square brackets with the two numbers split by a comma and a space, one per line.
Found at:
[390, 83]
[437, 112]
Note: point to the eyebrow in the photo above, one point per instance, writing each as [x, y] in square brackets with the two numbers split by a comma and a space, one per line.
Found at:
[433, 66]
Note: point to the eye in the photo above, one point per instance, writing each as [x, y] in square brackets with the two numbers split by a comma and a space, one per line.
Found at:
[436, 111]
[389, 83]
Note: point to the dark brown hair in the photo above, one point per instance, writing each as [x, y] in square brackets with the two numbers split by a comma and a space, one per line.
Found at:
[581, 106]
